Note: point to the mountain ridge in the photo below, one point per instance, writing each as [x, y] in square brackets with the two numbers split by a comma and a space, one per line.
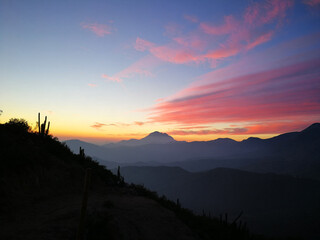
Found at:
[169, 139]
[295, 153]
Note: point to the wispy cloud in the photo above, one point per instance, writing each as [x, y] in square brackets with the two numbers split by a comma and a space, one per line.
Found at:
[112, 79]
[98, 125]
[139, 123]
[264, 12]
[92, 85]
[141, 68]
[290, 92]
[231, 131]
[212, 42]
[191, 18]
[272, 127]
[259, 40]
[98, 29]
[166, 53]
[228, 27]
[312, 3]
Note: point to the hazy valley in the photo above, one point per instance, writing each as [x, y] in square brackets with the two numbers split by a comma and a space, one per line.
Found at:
[275, 182]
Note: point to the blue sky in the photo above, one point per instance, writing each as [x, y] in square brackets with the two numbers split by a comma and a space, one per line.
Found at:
[111, 70]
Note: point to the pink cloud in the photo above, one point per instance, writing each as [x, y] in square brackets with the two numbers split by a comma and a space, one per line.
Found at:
[191, 18]
[113, 79]
[232, 131]
[211, 42]
[277, 127]
[139, 123]
[173, 55]
[98, 125]
[118, 124]
[173, 29]
[98, 29]
[223, 52]
[312, 3]
[264, 12]
[160, 100]
[140, 68]
[230, 25]
[142, 45]
[192, 41]
[166, 53]
[92, 85]
[258, 128]
[284, 93]
[260, 39]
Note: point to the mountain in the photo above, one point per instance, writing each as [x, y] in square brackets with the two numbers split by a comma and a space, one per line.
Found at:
[272, 204]
[153, 138]
[157, 138]
[295, 153]
[42, 190]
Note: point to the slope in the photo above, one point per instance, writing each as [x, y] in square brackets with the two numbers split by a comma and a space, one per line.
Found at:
[273, 204]
[41, 192]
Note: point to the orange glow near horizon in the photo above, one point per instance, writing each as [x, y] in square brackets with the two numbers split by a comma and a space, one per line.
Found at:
[197, 72]
[188, 138]
[100, 134]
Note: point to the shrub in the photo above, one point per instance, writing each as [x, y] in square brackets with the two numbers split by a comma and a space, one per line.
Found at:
[18, 124]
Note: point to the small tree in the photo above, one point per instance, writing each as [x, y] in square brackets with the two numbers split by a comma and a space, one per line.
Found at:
[19, 124]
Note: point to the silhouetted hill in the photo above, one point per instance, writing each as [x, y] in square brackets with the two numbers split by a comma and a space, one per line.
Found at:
[157, 138]
[41, 191]
[273, 204]
[296, 153]
[153, 138]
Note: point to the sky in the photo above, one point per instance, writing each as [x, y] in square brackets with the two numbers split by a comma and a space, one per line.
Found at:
[198, 70]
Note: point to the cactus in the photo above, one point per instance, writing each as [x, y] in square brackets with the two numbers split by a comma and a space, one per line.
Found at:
[81, 228]
[47, 131]
[118, 173]
[120, 178]
[39, 122]
[42, 127]
[236, 219]
[178, 203]
[81, 153]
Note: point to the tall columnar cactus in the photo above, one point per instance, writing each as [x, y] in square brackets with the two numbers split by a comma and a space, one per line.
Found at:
[178, 203]
[42, 127]
[120, 178]
[39, 122]
[81, 152]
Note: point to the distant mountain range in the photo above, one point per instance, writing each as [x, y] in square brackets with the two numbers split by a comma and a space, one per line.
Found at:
[271, 204]
[296, 153]
[275, 181]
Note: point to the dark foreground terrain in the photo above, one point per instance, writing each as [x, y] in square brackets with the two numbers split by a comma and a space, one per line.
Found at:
[41, 185]
[272, 204]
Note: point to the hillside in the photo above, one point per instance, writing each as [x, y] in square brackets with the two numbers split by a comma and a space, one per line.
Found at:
[41, 191]
[276, 205]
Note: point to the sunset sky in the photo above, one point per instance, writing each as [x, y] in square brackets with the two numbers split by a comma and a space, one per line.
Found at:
[198, 70]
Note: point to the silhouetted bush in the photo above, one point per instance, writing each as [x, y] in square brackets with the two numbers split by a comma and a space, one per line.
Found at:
[18, 125]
